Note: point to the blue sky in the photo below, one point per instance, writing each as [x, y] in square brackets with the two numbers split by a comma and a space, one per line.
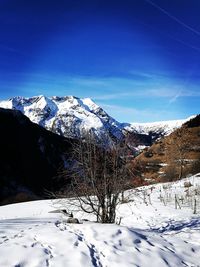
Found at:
[138, 59]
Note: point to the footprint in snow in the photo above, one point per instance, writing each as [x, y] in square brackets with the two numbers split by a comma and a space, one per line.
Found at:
[76, 243]
[119, 232]
[152, 245]
[169, 249]
[48, 252]
[34, 244]
[137, 241]
[167, 263]
[137, 249]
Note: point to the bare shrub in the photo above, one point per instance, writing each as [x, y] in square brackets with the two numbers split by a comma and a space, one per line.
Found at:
[170, 174]
[98, 177]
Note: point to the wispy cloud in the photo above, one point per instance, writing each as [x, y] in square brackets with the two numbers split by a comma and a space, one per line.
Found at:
[119, 108]
[107, 88]
[128, 114]
[141, 74]
[123, 98]
[171, 93]
[183, 93]
[111, 96]
[175, 97]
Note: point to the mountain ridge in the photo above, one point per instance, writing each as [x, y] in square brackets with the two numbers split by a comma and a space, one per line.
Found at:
[70, 116]
[158, 128]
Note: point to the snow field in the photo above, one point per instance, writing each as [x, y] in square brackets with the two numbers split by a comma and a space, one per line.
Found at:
[150, 234]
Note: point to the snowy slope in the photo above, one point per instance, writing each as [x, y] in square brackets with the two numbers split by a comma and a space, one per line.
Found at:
[151, 234]
[68, 116]
[159, 127]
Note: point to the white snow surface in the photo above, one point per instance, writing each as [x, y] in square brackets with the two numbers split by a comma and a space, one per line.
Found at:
[149, 235]
[68, 116]
[165, 127]
[34, 108]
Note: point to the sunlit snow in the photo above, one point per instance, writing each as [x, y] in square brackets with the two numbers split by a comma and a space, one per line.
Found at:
[152, 233]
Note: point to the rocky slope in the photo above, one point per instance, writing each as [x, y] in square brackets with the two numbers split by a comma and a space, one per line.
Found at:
[173, 156]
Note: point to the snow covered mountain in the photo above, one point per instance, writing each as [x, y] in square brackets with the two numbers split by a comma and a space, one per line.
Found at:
[71, 116]
[68, 116]
[156, 129]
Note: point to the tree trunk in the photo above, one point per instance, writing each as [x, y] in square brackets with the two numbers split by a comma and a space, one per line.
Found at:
[180, 172]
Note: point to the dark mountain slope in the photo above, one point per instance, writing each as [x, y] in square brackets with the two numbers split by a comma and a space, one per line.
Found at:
[30, 156]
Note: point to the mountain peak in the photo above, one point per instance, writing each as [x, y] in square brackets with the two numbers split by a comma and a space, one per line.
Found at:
[69, 116]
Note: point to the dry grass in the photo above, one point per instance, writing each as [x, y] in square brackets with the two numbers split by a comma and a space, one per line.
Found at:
[155, 158]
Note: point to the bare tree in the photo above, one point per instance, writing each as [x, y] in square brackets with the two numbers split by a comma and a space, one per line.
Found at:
[99, 176]
[177, 146]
